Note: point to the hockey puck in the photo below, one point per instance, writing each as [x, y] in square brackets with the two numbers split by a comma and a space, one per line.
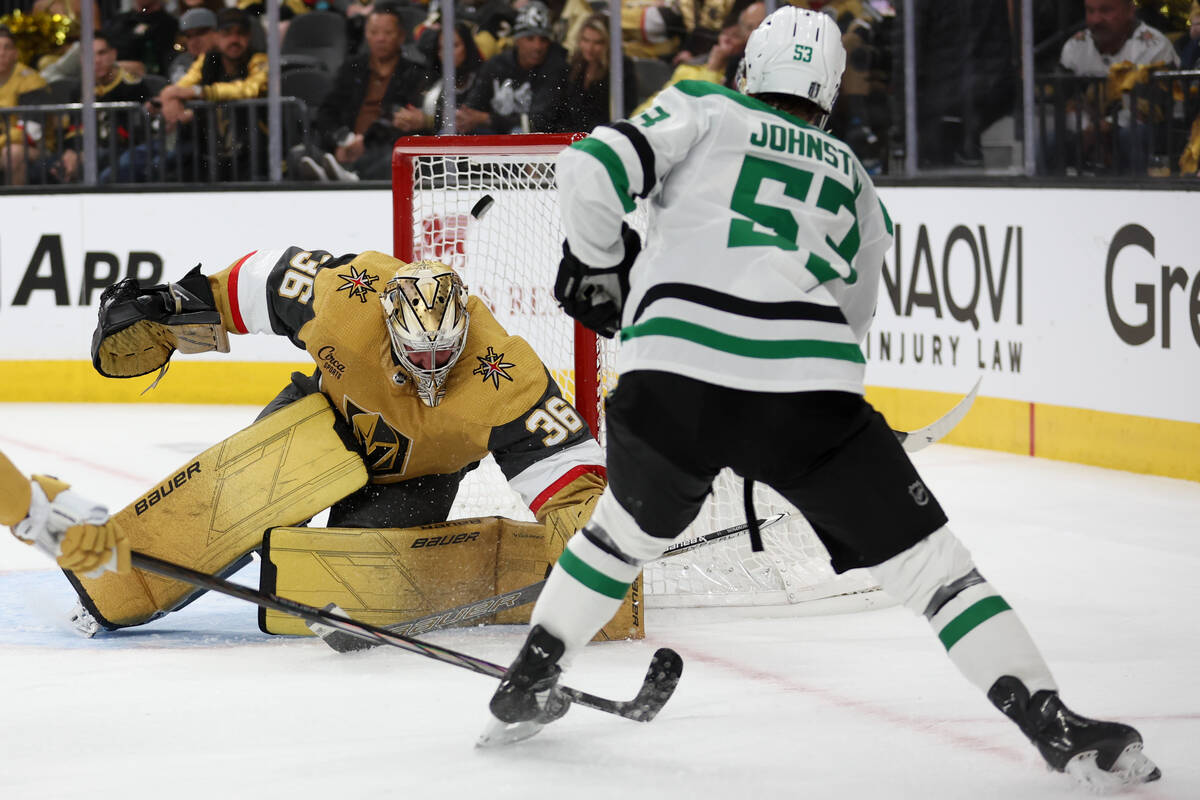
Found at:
[482, 206]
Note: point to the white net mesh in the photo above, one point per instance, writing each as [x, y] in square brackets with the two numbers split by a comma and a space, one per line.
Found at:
[508, 257]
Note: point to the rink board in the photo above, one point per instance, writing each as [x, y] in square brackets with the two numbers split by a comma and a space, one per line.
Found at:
[1080, 309]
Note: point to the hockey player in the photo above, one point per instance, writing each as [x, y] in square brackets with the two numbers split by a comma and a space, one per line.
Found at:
[74, 531]
[423, 375]
[740, 349]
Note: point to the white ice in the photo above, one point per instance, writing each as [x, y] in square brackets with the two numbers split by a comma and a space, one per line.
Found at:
[1101, 565]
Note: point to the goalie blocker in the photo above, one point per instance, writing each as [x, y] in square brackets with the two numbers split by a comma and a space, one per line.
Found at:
[385, 576]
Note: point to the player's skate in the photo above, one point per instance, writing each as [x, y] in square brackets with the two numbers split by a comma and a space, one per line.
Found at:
[527, 698]
[1100, 755]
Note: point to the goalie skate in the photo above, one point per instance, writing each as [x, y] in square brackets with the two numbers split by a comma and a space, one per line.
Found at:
[83, 622]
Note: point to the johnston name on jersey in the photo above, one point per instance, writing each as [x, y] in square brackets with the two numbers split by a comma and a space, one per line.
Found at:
[500, 398]
[766, 240]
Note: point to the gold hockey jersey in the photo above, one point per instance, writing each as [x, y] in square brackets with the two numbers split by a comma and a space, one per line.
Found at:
[500, 398]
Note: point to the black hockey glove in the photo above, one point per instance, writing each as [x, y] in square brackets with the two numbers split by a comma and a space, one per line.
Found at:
[140, 327]
[595, 296]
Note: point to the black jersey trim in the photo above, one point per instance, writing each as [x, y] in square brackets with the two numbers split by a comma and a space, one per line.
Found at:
[644, 153]
[792, 309]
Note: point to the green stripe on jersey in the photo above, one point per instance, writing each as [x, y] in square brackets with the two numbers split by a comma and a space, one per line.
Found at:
[821, 269]
[591, 577]
[612, 163]
[737, 345]
[971, 619]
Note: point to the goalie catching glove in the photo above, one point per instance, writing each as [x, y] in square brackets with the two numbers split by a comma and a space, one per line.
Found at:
[140, 327]
[596, 296]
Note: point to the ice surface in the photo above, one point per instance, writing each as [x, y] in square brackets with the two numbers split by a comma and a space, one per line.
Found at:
[1101, 565]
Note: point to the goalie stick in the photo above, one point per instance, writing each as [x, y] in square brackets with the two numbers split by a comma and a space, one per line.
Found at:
[347, 643]
[662, 676]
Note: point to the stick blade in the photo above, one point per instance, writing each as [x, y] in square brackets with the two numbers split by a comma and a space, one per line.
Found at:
[340, 641]
[923, 437]
[662, 676]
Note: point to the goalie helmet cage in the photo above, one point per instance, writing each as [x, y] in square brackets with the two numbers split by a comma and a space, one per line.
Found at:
[508, 256]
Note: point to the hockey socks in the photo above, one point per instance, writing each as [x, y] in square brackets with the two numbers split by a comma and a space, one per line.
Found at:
[982, 635]
[985, 639]
[585, 589]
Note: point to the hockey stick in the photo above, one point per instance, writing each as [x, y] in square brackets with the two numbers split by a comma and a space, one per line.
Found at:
[912, 441]
[347, 643]
[661, 678]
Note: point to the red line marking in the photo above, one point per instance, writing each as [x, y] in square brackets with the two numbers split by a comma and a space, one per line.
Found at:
[909, 723]
[107, 469]
[1032, 431]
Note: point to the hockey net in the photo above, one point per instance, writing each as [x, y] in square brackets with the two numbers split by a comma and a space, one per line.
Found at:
[508, 257]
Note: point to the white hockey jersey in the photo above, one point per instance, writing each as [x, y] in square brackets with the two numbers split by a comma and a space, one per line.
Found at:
[761, 263]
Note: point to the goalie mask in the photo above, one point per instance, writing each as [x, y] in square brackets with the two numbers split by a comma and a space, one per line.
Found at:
[425, 307]
[798, 52]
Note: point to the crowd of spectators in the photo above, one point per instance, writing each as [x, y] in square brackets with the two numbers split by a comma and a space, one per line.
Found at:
[520, 66]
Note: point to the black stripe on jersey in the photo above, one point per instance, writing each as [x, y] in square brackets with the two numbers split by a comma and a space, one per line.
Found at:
[644, 153]
[792, 309]
[516, 445]
[286, 314]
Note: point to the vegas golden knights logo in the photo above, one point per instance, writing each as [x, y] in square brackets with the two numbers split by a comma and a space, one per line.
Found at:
[386, 449]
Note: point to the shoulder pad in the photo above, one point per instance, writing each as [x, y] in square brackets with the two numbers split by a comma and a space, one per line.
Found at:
[498, 377]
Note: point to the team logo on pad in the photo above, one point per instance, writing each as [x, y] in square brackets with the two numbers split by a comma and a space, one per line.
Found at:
[493, 367]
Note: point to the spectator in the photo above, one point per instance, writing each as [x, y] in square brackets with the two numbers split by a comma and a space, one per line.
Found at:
[113, 85]
[1114, 37]
[492, 21]
[145, 38]
[649, 29]
[586, 104]
[15, 80]
[63, 62]
[722, 59]
[703, 20]
[1189, 46]
[231, 71]
[1114, 34]
[375, 98]
[467, 63]
[198, 26]
[521, 89]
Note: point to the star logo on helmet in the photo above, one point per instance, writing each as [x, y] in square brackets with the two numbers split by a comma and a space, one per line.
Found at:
[493, 367]
[359, 283]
